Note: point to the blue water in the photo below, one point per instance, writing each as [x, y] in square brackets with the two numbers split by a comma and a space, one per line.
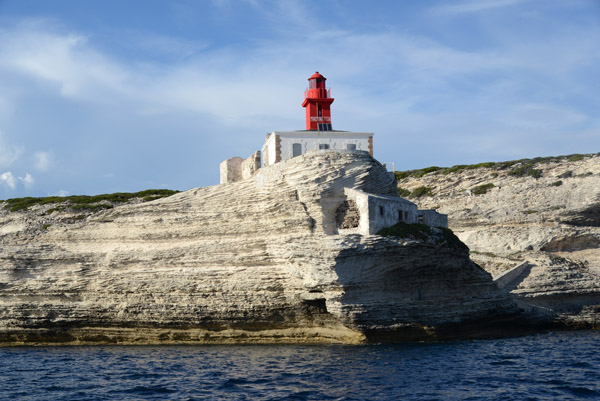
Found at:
[556, 366]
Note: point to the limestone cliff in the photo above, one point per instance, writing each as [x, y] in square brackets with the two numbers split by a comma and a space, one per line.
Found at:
[544, 212]
[252, 261]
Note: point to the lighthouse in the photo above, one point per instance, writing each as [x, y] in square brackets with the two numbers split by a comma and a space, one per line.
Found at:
[319, 134]
[317, 102]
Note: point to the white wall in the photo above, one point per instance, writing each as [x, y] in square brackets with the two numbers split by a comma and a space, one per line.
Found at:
[310, 140]
[309, 144]
[371, 218]
[268, 150]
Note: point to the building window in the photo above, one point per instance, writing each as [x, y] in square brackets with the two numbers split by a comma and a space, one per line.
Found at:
[324, 127]
[351, 146]
[323, 146]
[381, 210]
[399, 215]
[296, 149]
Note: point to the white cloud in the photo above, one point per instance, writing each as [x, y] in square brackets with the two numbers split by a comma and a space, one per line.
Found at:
[43, 160]
[62, 192]
[27, 180]
[8, 179]
[65, 59]
[9, 153]
[472, 6]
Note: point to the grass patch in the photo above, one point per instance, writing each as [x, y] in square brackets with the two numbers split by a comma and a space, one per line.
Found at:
[556, 183]
[421, 191]
[527, 167]
[575, 158]
[530, 211]
[526, 170]
[403, 192]
[405, 230]
[85, 202]
[422, 232]
[482, 189]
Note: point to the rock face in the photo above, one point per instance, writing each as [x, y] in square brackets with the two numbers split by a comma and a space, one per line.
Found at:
[546, 214]
[251, 261]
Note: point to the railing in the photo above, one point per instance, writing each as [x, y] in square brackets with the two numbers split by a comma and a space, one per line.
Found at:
[321, 119]
[317, 93]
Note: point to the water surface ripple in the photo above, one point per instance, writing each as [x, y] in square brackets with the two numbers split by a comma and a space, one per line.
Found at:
[555, 366]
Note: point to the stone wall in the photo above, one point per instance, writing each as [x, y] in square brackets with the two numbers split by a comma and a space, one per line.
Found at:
[433, 218]
[378, 211]
[251, 165]
[236, 168]
[230, 170]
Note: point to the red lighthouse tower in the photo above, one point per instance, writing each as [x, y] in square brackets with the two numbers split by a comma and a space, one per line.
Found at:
[317, 101]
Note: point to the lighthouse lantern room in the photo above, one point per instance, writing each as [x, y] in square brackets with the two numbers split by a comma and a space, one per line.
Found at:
[317, 102]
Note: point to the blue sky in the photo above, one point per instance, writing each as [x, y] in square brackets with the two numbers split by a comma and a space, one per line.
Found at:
[106, 96]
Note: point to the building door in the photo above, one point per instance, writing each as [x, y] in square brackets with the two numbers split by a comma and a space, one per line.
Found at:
[296, 149]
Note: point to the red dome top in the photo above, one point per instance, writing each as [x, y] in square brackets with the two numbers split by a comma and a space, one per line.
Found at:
[316, 75]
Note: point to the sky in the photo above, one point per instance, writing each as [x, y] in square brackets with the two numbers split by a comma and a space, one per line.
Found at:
[121, 96]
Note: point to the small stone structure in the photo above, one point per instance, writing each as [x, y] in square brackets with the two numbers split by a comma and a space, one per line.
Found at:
[364, 213]
[236, 169]
[231, 170]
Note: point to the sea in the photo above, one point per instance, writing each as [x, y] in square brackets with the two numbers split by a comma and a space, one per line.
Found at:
[552, 366]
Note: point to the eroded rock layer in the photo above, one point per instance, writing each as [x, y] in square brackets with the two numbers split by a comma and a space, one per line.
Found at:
[544, 213]
[253, 261]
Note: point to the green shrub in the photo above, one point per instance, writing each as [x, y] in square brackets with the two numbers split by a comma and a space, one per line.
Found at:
[556, 183]
[419, 231]
[79, 201]
[530, 211]
[421, 191]
[566, 174]
[427, 170]
[405, 230]
[403, 192]
[481, 189]
[526, 170]
[575, 158]
[401, 175]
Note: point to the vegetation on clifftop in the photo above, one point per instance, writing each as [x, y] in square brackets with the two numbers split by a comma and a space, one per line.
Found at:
[421, 232]
[416, 193]
[85, 202]
[518, 168]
